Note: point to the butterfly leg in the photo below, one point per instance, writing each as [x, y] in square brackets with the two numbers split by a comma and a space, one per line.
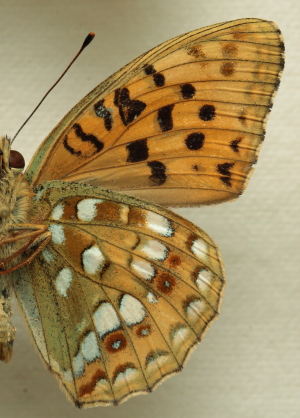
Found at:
[38, 237]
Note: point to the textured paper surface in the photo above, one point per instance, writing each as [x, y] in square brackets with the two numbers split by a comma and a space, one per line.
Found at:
[249, 362]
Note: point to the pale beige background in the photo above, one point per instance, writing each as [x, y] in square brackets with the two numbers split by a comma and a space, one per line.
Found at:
[249, 363]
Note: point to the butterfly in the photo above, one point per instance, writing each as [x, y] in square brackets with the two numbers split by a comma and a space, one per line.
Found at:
[117, 290]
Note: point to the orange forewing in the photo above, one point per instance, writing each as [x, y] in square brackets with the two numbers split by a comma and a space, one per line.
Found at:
[181, 125]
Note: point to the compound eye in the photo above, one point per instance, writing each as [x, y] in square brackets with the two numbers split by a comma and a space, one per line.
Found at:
[16, 160]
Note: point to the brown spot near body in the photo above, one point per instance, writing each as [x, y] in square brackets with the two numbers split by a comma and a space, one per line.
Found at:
[143, 331]
[70, 208]
[195, 167]
[227, 68]
[174, 261]
[136, 217]
[165, 283]
[196, 52]
[115, 341]
[108, 211]
[88, 388]
[229, 50]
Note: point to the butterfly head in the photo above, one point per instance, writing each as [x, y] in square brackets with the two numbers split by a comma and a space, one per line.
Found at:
[11, 161]
[11, 179]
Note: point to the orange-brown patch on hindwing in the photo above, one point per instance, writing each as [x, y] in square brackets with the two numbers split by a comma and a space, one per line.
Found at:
[83, 241]
[89, 387]
[70, 210]
[108, 211]
[173, 261]
[136, 217]
[115, 342]
[143, 331]
[165, 283]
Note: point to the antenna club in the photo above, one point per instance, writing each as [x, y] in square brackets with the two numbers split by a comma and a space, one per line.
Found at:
[88, 40]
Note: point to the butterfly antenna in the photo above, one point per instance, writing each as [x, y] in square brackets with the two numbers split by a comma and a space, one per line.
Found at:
[86, 42]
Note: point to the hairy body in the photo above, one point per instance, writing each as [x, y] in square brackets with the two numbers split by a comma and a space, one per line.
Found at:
[15, 197]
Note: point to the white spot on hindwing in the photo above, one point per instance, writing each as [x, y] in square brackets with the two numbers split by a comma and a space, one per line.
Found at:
[159, 224]
[90, 348]
[131, 309]
[123, 377]
[204, 279]
[180, 335]
[143, 269]
[57, 211]
[151, 298]
[63, 281]
[92, 260]
[78, 364]
[106, 319]
[155, 250]
[195, 309]
[58, 235]
[48, 256]
[87, 210]
[199, 249]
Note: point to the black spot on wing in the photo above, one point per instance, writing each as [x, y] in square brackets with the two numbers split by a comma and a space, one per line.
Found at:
[137, 151]
[195, 141]
[234, 145]
[187, 91]
[159, 79]
[224, 169]
[84, 138]
[164, 117]
[128, 109]
[158, 173]
[207, 112]
[149, 69]
[102, 112]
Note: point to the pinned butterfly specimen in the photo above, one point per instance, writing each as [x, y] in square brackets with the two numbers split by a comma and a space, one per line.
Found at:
[117, 291]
